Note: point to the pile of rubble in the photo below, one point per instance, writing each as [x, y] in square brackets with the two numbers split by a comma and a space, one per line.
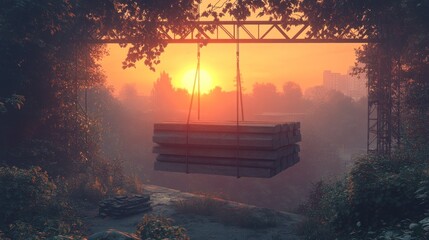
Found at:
[121, 206]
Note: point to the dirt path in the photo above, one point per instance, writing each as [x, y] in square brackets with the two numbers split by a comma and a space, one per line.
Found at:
[198, 227]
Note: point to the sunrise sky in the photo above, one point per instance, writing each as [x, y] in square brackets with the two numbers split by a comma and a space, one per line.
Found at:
[259, 63]
[275, 63]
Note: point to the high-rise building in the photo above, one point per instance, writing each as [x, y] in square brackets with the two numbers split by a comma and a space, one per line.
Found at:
[353, 86]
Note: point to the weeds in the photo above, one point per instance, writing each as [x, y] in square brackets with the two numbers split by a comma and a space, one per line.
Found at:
[243, 217]
[158, 227]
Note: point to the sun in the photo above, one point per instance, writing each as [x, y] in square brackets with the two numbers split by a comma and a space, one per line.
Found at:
[206, 81]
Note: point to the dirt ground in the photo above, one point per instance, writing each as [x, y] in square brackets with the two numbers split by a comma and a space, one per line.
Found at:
[198, 227]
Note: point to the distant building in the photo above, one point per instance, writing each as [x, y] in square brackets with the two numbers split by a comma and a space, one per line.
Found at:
[353, 86]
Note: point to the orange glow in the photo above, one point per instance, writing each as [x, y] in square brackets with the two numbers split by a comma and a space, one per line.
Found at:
[259, 63]
[187, 81]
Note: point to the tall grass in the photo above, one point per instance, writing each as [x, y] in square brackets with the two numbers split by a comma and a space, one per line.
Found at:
[244, 217]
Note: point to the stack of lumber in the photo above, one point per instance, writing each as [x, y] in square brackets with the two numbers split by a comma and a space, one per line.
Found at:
[122, 206]
[251, 150]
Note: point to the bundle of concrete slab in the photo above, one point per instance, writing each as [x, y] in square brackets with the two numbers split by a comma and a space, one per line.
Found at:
[249, 149]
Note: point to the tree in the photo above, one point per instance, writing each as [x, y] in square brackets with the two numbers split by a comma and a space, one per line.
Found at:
[399, 58]
[292, 90]
[46, 58]
[141, 20]
[292, 95]
[265, 98]
[162, 94]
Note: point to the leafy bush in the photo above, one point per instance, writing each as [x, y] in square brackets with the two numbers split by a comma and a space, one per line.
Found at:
[89, 180]
[381, 198]
[23, 193]
[157, 227]
[382, 190]
[103, 179]
[50, 156]
[327, 209]
[32, 206]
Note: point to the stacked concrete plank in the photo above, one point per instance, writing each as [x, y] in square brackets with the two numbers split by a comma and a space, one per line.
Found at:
[122, 206]
[249, 150]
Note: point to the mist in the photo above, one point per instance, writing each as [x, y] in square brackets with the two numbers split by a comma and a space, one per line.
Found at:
[333, 128]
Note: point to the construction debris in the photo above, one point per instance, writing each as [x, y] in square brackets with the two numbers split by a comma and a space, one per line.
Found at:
[122, 206]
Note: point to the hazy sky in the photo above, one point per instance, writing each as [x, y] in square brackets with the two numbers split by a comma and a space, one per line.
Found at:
[275, 63]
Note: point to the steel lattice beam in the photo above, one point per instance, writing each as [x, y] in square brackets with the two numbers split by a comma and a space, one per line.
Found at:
[248, 32]
[382, 129]
[384, 102]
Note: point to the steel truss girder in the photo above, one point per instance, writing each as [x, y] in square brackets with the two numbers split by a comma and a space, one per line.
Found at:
[250, 32]
[383, 93]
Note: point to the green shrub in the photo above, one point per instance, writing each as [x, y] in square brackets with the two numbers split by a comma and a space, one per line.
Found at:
[104, 178]
[156, 227]
[90, 178]
[382, 190]
[32, 206]
[327, 209]
[383, 197]
[328, 203]
[23, 193]
[50, 156]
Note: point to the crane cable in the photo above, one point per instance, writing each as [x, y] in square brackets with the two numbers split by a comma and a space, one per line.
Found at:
[239, 101]
[197, 79]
